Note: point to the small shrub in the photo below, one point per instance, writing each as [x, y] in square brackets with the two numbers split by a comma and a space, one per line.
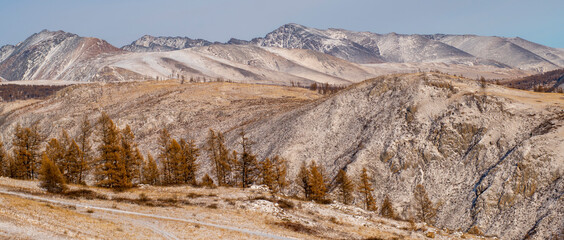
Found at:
[334, 220]
[430, 234]
[194, 195]
[207, 182]
[260, 197]
[387, 210]
[143, 198]
[297, 227]
[121, 199]
[90, 210]
[212, 206]
[285, 204]
[412, 225]
[51, 178]
[170, 200]
[85, 193]
[476, 231]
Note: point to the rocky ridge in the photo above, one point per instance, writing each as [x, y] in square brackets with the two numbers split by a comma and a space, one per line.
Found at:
[149, 43]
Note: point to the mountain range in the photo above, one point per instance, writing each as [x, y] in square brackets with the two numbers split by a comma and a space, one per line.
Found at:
[490, 157]
[290, 54]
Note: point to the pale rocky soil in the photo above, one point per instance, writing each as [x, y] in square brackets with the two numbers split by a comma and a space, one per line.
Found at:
[190, 213]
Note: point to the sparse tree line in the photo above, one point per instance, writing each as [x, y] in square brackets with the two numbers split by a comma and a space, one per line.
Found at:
[117, 163]
[13, 92]
[326, 88]
[543, 82]
[315, 186]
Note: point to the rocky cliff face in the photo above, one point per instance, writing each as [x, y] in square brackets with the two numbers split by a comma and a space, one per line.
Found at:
[492, 158]
[162, 44]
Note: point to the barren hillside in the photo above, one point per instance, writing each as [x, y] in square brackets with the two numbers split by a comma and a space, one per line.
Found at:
[490, 156]
[187, 110]
[493, 157]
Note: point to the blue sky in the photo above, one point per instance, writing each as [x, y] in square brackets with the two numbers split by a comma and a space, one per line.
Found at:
[121, 22]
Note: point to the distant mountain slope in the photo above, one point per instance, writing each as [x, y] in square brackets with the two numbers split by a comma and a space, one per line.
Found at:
[298, 36]
[366, 47]
[242, 64]
[161, 44]
[501, 50]
[49, 55]
[68, 57]
[6, 51]
[551, 54]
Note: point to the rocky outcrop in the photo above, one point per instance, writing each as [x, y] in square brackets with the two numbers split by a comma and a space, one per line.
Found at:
[162, 44]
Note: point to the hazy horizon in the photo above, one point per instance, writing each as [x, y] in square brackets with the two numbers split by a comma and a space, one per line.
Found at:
[123, 22]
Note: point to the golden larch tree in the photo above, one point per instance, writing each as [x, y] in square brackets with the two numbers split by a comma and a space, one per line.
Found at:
[248, 166]
[25, 145]
[387, 209]
[318, 186]
[280, 167]
[150, 171]
[188, 166]
[171, 163]
[130, 155]
[304, 180]
[110, 170]
[56, 153]
[74, 164]
[164, 154]
[365, 188]
[267, 174]
[50, 176]
[4, 161]
[83, 141]
[345, 187]
[424, 208]
[223, 164]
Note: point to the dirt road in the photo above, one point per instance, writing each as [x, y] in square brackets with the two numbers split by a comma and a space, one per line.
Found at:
[154, 228]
